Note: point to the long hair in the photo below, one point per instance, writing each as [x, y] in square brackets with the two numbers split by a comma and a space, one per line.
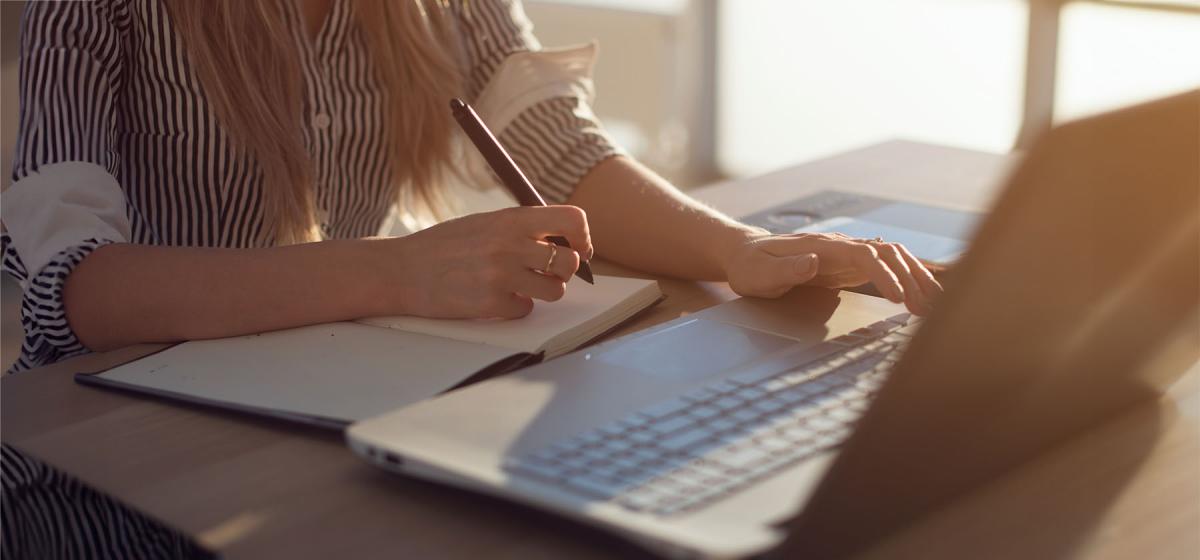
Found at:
[246, 60]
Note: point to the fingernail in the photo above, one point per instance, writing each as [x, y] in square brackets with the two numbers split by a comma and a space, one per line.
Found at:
[805, 264]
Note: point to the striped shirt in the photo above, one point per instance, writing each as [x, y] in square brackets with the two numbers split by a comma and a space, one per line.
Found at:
[118, 142]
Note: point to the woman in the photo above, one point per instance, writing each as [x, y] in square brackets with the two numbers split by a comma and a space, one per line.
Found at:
[191, 169]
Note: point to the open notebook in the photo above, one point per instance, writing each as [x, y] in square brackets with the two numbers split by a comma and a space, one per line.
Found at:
[334, 374]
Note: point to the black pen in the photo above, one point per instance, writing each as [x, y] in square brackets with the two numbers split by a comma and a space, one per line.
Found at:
[506, 169]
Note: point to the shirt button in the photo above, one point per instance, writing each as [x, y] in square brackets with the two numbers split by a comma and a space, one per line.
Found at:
[322, 121]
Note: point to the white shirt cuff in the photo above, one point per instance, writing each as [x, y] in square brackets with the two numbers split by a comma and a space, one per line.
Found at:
[58, 207]
[523, 80]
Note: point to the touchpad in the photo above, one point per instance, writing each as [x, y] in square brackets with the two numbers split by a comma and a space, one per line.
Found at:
[694, 349]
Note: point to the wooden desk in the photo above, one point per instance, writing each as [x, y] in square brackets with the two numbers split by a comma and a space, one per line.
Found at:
[252, 488]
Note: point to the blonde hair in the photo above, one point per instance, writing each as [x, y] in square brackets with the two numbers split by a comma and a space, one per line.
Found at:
[246, 60]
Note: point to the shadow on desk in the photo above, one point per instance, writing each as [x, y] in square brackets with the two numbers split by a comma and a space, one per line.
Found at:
[448, 515]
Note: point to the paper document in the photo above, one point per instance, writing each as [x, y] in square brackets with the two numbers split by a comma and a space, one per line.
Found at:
[344, 371]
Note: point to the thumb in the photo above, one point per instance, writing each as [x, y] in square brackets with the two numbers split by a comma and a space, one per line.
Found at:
[780, 274]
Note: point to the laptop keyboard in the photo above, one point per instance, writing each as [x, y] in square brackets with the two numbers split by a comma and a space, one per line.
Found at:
[679, 454]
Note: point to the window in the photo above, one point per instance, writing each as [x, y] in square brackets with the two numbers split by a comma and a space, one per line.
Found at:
[799, 80]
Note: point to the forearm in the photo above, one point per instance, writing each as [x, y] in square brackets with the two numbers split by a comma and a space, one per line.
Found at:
[124, 294]
[640, 220]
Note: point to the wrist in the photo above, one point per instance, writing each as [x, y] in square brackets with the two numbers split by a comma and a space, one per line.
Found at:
[736, 237]
[368, 276]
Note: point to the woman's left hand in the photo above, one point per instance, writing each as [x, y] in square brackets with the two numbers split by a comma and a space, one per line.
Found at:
[770, 265]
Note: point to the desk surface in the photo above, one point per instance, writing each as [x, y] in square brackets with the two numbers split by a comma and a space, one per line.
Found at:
[255, 488]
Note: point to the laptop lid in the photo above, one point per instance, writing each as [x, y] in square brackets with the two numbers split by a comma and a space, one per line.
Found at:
[1079, 297]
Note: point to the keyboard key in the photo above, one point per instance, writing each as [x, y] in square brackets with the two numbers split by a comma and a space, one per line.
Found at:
[821, 423]
[740, 457]
[745, 415]
[727, 402]
[857, 405]
[770, 405]
[750, 393]
[722, 424]
[672, 424]
[598, 487]
[642, 436]
[793, 397]
[594, 458]
[831, 439]
[606, 472]
[843, 414]
[665, 408]
[704, 412]
[771, 443]
[616, 445]
[797, 433]
[626, 464]
[777, 384]
[802, 376]
[708, 469]
[688, 478]
[685, 439]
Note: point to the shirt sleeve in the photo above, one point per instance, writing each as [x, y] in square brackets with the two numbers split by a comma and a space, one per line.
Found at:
[65, 201]
[537, 101]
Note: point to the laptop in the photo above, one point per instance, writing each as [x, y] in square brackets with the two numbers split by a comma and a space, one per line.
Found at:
[819, 423]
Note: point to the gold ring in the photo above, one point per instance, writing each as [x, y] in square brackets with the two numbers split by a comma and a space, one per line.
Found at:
[550, 261]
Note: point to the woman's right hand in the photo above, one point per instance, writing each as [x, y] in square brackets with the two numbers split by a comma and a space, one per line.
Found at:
[483, 265]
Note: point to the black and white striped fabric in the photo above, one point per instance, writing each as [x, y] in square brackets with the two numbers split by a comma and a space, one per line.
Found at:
[107, 83]
[109, 100]
[47, 514]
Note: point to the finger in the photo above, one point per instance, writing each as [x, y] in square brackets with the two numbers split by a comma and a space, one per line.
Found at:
[540, 286]
[570, 222]
[536, 255]
[914, 297]
[925, 279]
[866, 258]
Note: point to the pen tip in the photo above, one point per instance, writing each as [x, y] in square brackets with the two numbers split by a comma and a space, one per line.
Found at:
[456, 104]
[585, 272]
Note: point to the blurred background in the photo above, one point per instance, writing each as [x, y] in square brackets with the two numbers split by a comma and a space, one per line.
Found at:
[703, 90]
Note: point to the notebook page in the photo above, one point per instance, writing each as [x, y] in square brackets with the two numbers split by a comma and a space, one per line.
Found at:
[582, 305]
[345, 371]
